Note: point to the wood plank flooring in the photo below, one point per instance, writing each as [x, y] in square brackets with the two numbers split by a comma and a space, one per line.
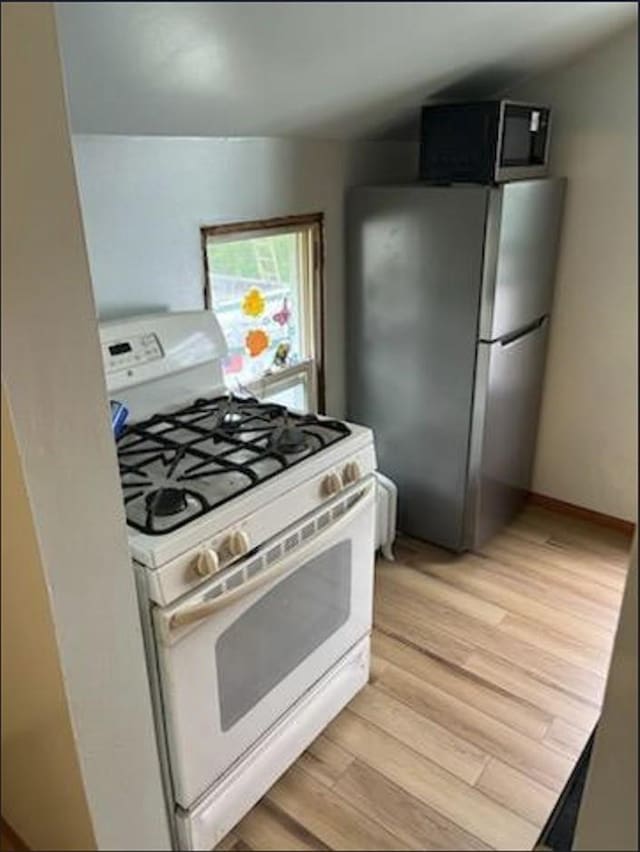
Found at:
[488, 672]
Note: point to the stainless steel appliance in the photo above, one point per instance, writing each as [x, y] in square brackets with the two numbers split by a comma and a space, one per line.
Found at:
[484, 142]
[449, 297]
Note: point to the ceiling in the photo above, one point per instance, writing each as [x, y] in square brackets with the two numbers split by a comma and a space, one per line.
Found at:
[327, 70]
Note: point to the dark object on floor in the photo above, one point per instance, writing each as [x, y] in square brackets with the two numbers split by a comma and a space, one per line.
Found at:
[561, 825]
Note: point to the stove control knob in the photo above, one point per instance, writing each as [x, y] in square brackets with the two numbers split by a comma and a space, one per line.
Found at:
[331, 485]
[238, 543]
[351, 473]
[207, 563]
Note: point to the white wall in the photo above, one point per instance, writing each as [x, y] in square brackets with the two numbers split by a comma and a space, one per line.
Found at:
[144, 200]
[56, 398]
[587, 446]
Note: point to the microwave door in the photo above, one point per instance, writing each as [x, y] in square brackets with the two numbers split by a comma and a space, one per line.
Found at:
[523, 142]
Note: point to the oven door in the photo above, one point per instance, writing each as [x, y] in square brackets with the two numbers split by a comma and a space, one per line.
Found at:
[235, 656]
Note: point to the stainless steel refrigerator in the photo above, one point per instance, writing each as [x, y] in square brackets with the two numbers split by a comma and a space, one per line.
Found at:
[449, 294]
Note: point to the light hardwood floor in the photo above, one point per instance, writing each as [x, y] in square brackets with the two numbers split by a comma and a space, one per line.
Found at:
[487, 676]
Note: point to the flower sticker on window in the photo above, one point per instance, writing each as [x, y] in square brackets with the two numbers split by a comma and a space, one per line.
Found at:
[282, 354]
[282, 316]
[253, 303]
[256, 342]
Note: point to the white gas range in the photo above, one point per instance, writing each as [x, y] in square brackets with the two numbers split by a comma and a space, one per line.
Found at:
[252, 533]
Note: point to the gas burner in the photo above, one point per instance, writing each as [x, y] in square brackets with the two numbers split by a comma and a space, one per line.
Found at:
[228, 414]
[178, 465]
[231, 418]
[226, 411]
[166, 501]
[288, 439]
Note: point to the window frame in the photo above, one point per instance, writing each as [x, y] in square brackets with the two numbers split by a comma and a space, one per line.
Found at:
[315, 260]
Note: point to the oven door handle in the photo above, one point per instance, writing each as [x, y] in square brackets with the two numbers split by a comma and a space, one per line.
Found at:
[190, 614]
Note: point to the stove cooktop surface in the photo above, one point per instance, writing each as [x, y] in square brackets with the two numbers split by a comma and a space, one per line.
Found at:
[178, 466]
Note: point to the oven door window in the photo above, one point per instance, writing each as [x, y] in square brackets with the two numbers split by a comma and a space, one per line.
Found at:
[271, 638]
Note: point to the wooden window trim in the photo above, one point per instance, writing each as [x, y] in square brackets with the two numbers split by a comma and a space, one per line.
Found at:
[309, 220]
[262, 224]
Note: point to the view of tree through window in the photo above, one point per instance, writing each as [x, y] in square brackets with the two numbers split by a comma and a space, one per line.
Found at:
[240, 257]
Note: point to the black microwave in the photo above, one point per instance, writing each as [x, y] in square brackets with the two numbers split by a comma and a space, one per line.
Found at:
[483, 142]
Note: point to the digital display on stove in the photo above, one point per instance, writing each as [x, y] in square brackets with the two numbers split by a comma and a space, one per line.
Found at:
[119, 348]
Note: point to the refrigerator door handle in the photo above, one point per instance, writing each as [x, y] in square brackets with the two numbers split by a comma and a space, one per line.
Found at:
[508, 339]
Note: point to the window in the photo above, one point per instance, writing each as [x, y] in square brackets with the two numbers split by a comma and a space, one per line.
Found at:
[263, 280]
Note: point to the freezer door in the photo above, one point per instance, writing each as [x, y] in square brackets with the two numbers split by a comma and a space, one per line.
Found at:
[414, 275]
[523, 228]
[509, 382]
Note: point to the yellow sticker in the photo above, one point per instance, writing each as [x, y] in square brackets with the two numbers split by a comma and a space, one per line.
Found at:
[253, 303]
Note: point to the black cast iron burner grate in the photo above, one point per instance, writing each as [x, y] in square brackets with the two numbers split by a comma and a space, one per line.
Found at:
[176, 467]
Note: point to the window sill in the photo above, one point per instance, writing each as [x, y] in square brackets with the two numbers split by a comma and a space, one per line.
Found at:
[302, 373]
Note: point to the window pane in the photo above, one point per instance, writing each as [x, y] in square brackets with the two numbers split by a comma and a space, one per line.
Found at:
[294, 397]
[258, 297]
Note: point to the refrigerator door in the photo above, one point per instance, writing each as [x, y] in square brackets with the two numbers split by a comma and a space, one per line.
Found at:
[509, 377]
[413, 289]
[523, 229]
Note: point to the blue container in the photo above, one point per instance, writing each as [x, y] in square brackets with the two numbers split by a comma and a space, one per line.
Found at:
[119, 414]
